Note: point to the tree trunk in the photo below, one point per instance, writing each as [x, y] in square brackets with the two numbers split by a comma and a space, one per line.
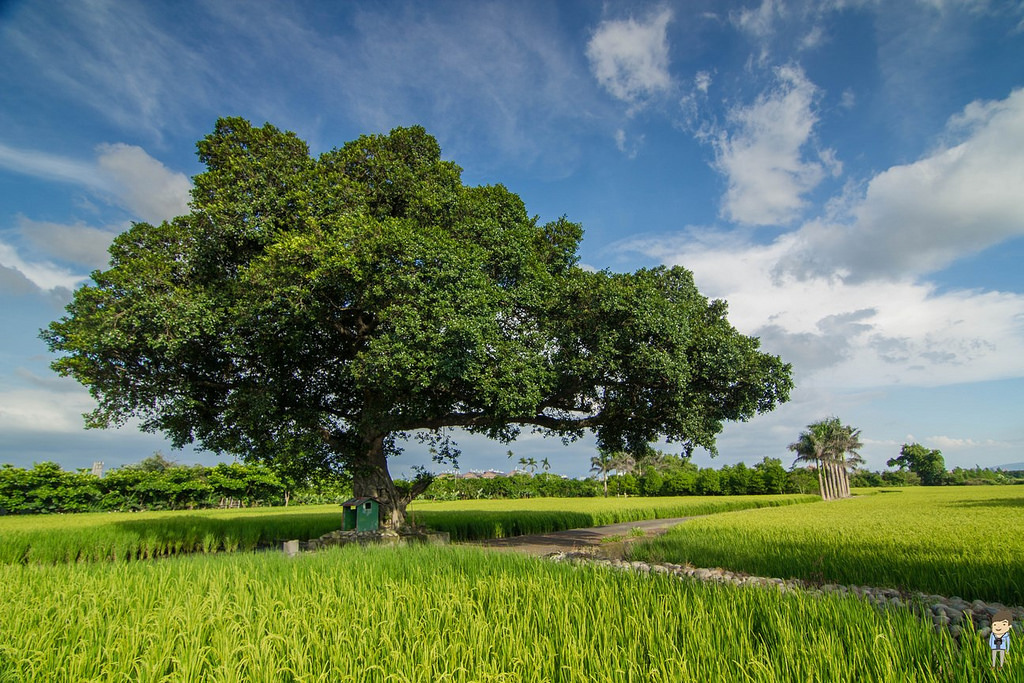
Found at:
[371, 479]
[821, 483]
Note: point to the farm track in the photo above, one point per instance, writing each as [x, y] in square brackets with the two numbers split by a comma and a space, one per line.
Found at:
[607, 545]
[610, 539]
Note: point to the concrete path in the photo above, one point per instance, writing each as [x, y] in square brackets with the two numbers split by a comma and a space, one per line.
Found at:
[607, 541]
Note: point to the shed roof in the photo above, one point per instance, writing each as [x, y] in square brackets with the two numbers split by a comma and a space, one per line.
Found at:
[358, 501]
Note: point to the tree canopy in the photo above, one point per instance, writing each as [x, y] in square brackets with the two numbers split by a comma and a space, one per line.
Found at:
[312, 312]
[926, 463]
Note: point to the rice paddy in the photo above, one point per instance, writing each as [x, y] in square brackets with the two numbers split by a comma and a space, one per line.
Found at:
[952, 541]
[442, 614]
[466, 614]
[50, 539]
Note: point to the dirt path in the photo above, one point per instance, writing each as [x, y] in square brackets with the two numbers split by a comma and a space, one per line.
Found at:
[609, 541]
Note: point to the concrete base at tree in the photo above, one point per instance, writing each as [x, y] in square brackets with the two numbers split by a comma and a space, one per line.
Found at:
[404, 536]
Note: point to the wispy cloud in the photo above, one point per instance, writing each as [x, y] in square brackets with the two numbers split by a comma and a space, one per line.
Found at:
[630, 58]
[51, 167]
[112, 57]
[122, 175]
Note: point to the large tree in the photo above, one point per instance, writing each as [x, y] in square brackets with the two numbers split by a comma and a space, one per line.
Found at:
[318, 311]
[926, 463]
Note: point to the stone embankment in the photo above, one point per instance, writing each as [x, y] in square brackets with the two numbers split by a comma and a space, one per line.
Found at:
[953, 614]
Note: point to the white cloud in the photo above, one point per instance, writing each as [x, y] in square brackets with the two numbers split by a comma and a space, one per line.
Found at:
[702, 81]
[759, 21]
[918, 218]
[143, 185]
[38, 410]
[78, 243]
[762, 153]
[952, 443]
[122, 175]
[43, 274]
[629, 58]
[844, 302]
[629, 147]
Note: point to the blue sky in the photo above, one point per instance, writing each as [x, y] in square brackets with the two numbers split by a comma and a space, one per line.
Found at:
[848, 175]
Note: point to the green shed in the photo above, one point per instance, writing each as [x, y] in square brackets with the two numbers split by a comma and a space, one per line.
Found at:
[360, 514]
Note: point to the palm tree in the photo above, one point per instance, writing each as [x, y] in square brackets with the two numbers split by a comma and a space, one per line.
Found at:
[810, 448]
[529, 463]
[603, 463]
[623, 463]
[827, 443]
[845, 443]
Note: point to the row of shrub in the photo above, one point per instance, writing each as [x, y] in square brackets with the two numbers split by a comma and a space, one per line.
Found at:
[676, 477]
[958, 476]
[158, 484]
[153, 484]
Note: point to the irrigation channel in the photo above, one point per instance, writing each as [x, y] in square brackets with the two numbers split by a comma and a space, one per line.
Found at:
[608, 545]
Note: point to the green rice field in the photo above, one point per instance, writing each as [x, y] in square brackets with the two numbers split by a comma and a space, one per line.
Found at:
[462, 613]
[443, 614]
[952, 541]
[50, 539]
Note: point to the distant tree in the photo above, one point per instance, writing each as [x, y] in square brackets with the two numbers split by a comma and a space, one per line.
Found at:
[603, 464]
[529, 463]
[832, 448]
[866, 478]
[709, 482]
[924, 462]
[322, 309]
[157, 462]
[772, 475]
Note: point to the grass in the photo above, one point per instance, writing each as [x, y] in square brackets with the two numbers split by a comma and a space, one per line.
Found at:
[443, 614]
[953, 541]
[54, 539]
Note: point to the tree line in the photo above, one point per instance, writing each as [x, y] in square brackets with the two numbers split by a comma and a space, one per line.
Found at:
[159, 484]
[154, 484]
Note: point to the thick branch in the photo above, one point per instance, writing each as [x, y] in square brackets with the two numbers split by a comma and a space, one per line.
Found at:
[558, 424]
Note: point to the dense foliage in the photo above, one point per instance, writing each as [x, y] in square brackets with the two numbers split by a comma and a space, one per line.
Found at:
[153, 484]
[311, 312]
[157, 484]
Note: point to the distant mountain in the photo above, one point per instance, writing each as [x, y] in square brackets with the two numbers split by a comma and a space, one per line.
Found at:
[1012, 467]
